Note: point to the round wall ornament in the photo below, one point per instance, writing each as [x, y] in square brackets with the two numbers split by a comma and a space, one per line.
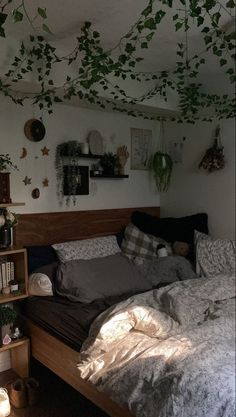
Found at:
[34, 130]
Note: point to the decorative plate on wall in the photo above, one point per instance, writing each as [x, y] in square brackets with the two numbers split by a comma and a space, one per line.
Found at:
[95, 141]
[34, 130]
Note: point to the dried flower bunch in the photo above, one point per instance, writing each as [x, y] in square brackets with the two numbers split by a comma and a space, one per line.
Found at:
[214, 158]
[8, 219]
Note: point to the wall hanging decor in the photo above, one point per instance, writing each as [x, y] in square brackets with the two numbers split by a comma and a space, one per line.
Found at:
[141, 143]
[214, 158]
[67, 154]
[208, 23]
[27, 180]
[75, 180]
[24, 153]
[34, 130]
[95, 141]
[162, 164]
[35, 193]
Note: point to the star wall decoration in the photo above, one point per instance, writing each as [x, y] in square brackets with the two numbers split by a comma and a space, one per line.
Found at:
[27, 180]
[45, 182]
[45, 151]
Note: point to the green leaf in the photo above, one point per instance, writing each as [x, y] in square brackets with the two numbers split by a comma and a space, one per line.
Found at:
[159, 16]
[144, 45]
[150, 23]
[223, 62]
[150, 36]
[46, 28]
[231, 4]
[42, 12]
[175, 17]
[17, 16]
[3, 17]
[200, 20]
[178, 25]
[147, 11]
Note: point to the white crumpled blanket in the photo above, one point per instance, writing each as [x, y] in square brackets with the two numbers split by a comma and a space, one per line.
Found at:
[168, 352]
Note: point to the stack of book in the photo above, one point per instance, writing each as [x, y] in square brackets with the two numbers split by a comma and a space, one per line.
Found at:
[7, 273]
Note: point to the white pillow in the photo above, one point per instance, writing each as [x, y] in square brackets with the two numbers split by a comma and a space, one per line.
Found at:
[40, 284]
[87, 249]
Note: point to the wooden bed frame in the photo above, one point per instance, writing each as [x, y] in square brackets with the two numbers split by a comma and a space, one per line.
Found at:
[48, 228]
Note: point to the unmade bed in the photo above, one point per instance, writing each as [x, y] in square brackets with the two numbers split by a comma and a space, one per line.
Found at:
[182, 339]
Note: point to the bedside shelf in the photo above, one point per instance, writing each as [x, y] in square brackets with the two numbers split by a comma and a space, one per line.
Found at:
[114, 176]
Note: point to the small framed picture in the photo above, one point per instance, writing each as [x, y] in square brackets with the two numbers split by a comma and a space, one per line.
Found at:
[141, 144]
[76, 177]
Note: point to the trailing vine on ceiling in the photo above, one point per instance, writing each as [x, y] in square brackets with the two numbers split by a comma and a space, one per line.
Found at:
[99, 68]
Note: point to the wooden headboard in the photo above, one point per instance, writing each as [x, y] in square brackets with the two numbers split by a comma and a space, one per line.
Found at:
[49, 228]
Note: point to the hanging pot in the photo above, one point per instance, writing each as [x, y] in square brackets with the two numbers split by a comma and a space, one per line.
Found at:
[162, 165]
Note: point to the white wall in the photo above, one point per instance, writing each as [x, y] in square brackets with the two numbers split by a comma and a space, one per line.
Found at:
[193, 190]
[71, 123]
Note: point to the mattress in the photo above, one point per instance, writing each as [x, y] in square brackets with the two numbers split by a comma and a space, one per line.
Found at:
[68, 321]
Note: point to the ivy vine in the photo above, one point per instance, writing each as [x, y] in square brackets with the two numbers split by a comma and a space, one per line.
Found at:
[100, 68]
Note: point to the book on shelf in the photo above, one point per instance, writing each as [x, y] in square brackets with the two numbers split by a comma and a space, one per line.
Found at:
[7, 273]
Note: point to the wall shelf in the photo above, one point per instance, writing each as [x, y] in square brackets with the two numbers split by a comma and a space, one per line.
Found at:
[112, 176]
[84, 156]
[3, 205]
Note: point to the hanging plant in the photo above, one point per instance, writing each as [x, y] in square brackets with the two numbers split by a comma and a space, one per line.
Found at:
[66, 163]
[214, 158]
[99, 68]
[162, 165]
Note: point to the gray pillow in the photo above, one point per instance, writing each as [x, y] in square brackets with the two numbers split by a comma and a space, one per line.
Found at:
[98, 278]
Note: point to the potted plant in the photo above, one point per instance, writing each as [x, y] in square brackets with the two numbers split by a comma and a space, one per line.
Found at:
[5, 164]
[108, 162]
[161, 166]
[7, 317]
[8, 220]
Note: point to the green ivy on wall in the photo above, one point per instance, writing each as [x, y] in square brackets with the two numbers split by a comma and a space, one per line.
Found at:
[105, 69]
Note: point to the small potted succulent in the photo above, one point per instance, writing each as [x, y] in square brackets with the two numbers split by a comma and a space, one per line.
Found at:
[7, 318]
[108, 162]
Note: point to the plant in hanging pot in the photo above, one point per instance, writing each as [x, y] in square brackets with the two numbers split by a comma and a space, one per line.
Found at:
[7, 318]
[108, 162]
[161, 166]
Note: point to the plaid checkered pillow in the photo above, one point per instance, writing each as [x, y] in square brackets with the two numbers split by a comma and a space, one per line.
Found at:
[138, 244]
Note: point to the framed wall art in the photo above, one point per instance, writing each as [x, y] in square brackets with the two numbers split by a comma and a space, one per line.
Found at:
[141, 145]
[75, 180]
